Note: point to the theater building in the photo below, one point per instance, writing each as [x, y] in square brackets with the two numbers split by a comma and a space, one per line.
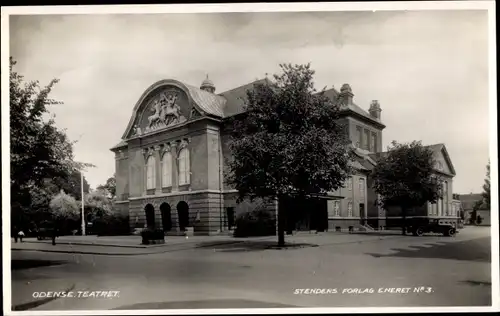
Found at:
[170, 163]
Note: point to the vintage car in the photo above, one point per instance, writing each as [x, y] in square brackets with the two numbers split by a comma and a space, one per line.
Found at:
[445, 226]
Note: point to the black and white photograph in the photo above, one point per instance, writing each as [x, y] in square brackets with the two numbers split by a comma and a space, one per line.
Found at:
[250, 158]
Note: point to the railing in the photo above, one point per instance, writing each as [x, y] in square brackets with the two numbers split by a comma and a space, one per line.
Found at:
[368, 227]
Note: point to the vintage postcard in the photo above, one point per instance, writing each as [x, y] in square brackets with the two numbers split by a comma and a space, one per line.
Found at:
[250, 158]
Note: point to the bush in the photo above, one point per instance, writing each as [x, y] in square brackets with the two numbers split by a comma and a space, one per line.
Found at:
[112, 225]
[259, 222]
[149, 234]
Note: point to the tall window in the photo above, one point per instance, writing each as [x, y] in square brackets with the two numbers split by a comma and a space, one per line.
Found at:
[349, 184]
[445, 197]
[349, 209]
[150, 173]
[373, 142]
[362, 187]
[184, 164]
[359, 137]
[166, 171]
[336, 208]
[366, 139]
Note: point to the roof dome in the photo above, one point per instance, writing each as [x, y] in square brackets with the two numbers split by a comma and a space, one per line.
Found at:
[207, 85]
[346, 87]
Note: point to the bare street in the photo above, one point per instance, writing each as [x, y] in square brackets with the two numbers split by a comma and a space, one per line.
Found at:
[451, 271]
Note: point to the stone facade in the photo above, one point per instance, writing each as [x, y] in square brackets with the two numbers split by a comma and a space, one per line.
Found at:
[171, 161]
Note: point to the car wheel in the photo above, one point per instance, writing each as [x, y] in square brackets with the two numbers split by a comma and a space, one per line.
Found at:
[419, 232]
[450, 232]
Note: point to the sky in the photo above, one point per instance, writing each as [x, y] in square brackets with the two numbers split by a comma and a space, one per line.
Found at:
[428, 69]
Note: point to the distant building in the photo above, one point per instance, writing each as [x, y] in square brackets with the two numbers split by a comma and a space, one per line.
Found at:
[171, 160]
[468, 202]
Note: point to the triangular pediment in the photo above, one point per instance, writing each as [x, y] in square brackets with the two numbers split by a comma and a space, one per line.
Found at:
[442, 158]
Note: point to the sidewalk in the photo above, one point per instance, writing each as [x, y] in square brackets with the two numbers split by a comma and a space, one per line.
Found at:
[130, 245]
[121, 245]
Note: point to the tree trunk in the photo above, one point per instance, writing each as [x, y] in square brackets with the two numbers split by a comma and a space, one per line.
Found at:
[289, 216]
[281, 225]
[404, 220]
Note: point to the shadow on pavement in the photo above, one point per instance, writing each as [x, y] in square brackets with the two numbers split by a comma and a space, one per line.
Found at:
[476, 283]
[28, 264]
[252, 246]
[379, 233]
[222, 303]
[478, 250]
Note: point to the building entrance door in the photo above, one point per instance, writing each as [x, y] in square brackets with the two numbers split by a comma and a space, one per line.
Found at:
[362, 214]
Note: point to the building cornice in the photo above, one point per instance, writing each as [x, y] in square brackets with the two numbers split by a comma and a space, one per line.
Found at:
[160, 195]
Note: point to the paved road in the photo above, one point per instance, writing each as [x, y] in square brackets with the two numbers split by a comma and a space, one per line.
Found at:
[455, 272]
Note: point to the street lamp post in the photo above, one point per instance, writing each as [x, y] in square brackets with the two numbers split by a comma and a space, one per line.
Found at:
[81, 169]
[83, 203]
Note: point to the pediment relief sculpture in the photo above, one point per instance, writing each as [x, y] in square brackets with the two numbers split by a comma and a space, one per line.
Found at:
[194, 114]
[166, 112]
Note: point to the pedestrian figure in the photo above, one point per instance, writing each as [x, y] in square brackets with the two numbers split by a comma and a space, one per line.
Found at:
[54, 233]
[21, 235]
[54, 236]
[15, 233]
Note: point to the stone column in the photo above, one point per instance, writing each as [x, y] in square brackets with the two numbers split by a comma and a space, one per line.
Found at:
[175, 168]
[365, 198]
[144, 171]
[157, 169]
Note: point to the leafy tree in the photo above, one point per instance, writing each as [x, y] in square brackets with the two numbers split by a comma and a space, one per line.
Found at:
[109, 187]
[97, 203]
[288, 143]
[64, 207]
[405, 178]
[39, 151]
[487, 189]
[72, 184]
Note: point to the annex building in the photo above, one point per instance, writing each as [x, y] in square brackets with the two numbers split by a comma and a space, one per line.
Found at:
[170, 164]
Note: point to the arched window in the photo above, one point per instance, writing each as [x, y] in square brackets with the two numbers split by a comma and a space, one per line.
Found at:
[184, 164]
[166, 170]
[150, 173]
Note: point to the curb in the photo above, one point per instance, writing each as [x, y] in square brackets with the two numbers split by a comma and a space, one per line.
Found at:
[102, 245]
[166, 244]
[126, 254]
[36, 303]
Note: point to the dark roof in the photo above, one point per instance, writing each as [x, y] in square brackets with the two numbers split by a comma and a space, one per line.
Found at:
[235, 98]
[470, 197]
[468, 200]
[332, 94]
[119, 145]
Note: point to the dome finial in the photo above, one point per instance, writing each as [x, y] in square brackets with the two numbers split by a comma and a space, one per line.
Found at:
[207, 85]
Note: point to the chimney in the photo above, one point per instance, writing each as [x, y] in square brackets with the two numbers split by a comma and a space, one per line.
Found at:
[346, 94]
[375, 109]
